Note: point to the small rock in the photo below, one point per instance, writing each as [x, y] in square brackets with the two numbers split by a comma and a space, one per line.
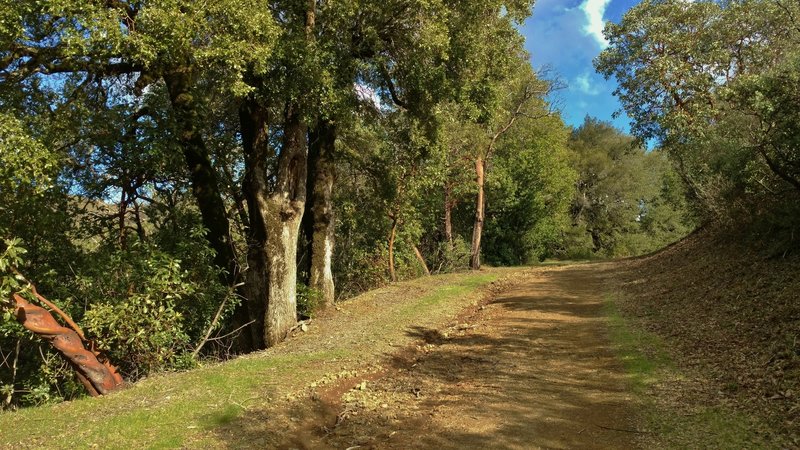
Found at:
[303, 327]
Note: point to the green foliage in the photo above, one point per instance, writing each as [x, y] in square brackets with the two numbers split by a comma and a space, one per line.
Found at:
[712, 83]
[528, 193]
[140, 324]
[309, 301]
[24, 161]
[451, 257]
[389, 173]
[626, 200]
[10, 258]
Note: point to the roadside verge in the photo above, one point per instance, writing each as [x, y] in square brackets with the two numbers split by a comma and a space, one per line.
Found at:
[214, 406]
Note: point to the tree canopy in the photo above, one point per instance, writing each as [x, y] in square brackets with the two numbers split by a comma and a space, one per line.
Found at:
[711, 83]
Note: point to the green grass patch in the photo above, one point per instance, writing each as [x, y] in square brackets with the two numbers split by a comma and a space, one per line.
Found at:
[186, 410]
[641, 352]
[673, 424]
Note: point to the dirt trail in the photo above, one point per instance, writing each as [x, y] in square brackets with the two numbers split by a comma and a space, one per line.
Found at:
[531, 369]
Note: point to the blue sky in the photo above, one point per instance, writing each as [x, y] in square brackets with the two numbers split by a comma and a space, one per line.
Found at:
[566, 35]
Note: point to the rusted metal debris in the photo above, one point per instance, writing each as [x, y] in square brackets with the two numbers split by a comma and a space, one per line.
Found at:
[93, 369]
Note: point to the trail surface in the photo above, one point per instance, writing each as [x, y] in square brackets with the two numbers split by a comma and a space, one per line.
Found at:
[533, 368]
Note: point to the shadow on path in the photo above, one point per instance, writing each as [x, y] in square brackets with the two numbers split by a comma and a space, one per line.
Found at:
[533, 368]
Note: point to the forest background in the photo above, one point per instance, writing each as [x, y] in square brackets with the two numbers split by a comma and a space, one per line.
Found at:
[187, 180]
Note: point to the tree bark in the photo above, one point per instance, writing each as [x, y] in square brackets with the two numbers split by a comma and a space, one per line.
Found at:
[392, 236]
[122, 211]
[205, 187]
[283, 212]
[319, 216]
[597, 241]
[254, 123]
[276, 211]
[448, 215]
[477, 228]
[97, 374]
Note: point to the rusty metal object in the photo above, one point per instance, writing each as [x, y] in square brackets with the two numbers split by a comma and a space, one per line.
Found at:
[95, 372]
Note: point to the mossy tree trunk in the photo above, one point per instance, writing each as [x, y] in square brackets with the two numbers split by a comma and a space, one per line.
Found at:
[283, 212]
[319, 216]
[205, 186]
[276, 212]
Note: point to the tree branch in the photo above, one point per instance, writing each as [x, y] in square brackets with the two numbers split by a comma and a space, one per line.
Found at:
[392, 91]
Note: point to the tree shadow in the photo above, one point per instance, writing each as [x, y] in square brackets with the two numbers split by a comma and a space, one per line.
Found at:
[534, 369]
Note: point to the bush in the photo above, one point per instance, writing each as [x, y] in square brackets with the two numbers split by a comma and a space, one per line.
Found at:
[451, 257]
[309, 301]
[139, 322]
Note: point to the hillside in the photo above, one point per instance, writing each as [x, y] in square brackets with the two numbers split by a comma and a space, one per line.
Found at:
[725, 308]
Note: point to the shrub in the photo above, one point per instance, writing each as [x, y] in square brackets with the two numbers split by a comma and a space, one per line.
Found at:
[138, 321]
[309, 301]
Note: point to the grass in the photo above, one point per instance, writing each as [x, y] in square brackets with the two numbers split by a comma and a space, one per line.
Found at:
[656, 380]
[641, 352]
[188, 409]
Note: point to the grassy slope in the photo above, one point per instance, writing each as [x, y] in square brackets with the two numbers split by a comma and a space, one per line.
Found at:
[211, 406]
[676, 422]
[709, 330]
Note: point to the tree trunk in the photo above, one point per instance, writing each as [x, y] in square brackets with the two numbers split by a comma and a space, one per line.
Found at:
[421, 261]
[283, 214]
[97, 375]
[392, 235]
[122, 211]
[254, 122]
[477, 229]
[448, 215]
[319, 215]
[276, 214]
[597, 240]
[205, 187]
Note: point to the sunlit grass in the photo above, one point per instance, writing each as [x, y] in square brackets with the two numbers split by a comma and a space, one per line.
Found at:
[183, 409]
[641, 352]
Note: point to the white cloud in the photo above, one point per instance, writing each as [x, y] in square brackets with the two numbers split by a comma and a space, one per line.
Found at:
[583, 83]
[594, 11]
